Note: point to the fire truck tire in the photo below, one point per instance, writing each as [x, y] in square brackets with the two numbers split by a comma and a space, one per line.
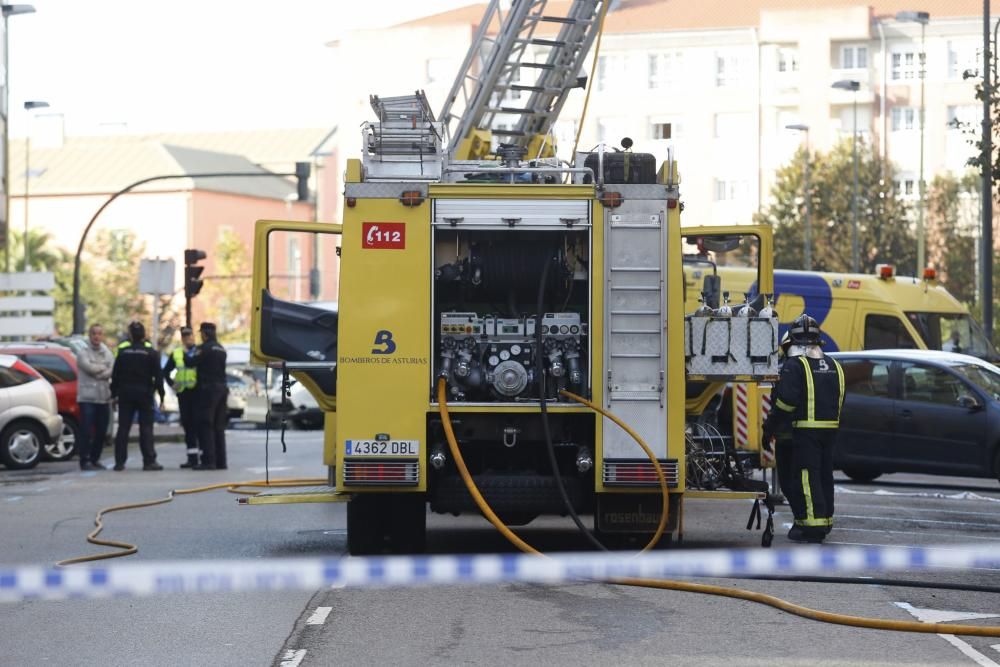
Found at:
[407, 518]
[366, 529]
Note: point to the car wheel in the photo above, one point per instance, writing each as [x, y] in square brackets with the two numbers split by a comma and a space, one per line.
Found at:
[64, 447]
[21, 445]
[862, 474]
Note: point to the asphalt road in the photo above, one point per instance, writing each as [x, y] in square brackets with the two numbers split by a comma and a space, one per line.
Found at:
[49, 510]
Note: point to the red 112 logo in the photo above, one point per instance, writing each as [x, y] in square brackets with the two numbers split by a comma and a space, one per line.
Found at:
[383, 235]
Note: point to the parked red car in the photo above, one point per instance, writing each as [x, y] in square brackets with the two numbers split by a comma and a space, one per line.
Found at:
[57, 364]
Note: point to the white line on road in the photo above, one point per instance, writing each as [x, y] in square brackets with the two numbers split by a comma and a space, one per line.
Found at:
[944, 510]
[319, 616]
[996, 647]
[260, 470]
[917, 520]
[942, 616]
[14, 499]
[294, 658]
[915, 532]
[964, 495]
[43, 489]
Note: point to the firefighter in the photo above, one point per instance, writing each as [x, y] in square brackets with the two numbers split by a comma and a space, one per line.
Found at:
[209, 359]
[184, 382]
[809, 395]
[782, 440]
[135, 377]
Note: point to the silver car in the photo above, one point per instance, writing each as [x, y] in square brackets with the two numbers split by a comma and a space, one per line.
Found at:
[29, 418]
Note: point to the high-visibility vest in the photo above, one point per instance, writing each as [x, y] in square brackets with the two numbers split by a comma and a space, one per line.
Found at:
[185, 378]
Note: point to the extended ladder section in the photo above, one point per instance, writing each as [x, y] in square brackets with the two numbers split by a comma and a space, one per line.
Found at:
[635, 341]
[517, 74]
[406, 140]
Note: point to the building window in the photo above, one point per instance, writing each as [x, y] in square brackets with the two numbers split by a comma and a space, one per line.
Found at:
[854, 57]
[964, 116]
[906, 187]
[731, 190]
[788, 59]
[610, 72]
[439, 70]
[964, 57]
[905, 118]
[664, 68]
[905, 65]
[661, 131]
[728, 69]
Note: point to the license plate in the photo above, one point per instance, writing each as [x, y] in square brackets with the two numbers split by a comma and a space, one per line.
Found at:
[382, 448]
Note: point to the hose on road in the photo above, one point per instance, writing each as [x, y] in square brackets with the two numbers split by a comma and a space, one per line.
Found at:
[705, 589]
[127, 549]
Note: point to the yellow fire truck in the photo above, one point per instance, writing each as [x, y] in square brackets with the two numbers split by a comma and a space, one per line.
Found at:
[492, 302]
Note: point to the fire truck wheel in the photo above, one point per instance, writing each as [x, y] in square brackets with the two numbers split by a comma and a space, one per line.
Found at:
[407, 514]
[366, 530]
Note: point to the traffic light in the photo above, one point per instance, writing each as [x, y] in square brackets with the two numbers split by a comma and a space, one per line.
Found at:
[302, 170]
[192, 272]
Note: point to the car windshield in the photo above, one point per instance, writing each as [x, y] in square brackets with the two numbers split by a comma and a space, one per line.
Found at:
[953, 332]
[986, 378]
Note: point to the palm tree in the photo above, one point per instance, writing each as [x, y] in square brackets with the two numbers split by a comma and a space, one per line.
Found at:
[44, 254]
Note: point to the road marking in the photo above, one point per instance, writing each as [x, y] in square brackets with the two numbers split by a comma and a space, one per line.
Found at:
[293, 658]
[14, 499]
[916, 520]
[996, 647]
[942, 616]
[943, 510]
[43, 489]
[915, 532]
[319, 616]
[964, 495]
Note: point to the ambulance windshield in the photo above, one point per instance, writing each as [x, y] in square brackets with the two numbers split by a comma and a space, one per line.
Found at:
[953, 332]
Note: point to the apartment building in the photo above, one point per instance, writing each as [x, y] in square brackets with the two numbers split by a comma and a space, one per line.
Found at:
[721, 81]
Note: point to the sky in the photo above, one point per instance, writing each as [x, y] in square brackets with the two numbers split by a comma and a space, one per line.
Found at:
[187, 65]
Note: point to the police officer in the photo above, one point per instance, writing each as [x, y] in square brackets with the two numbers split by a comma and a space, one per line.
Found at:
[184, 382]
[209, 359]
[135, 376]
[809, 395]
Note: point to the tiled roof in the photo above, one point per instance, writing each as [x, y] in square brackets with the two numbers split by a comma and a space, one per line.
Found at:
[105, 164]
[665, 15]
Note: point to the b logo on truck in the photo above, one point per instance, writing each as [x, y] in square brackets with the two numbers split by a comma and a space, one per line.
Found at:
[383, 235]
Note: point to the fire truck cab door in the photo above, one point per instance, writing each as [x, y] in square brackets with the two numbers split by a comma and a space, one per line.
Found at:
[293, 319]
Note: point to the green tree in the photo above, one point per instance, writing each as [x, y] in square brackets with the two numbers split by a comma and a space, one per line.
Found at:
[226, 292]
[952, 227]
[885, 231]
[109, 283]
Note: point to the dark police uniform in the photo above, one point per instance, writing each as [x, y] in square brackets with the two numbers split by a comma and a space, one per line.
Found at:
[135, 376]
[209, 359]
[809, 394]
[185, 382]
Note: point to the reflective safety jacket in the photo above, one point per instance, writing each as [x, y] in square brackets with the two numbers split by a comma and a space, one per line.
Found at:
[186, 377]
[809, 393]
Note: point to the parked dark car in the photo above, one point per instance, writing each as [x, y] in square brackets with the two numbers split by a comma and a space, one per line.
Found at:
[918, 411]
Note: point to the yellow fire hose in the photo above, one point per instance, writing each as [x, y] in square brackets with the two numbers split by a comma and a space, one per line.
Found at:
[685, 586]
[129, 549]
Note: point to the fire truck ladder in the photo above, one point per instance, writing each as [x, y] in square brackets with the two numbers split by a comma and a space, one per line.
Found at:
[495, 73]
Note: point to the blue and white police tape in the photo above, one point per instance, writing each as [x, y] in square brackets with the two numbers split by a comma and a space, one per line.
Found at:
[32, 582]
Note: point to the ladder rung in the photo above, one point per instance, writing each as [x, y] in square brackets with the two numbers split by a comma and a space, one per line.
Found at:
[508, 133]
[535, 89]
[636, 269]
[635, 288]
[564, 19]
[515, 110]
[651, 332]
[635, 312]
[537, 41]
[534, 65]
[634, 355]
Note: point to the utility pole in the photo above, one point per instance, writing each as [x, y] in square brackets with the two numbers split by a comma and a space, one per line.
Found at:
[986, 274]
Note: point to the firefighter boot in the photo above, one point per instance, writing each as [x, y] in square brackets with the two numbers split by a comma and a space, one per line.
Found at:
[191, 462]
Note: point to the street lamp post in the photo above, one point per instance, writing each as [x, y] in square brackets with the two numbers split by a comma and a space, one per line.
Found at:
[853, 86]
[807, 228]
[28, 106]
[922, 18]
[8, 11]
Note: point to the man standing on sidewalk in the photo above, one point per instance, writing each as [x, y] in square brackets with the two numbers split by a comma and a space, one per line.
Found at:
[184, 383]
[210, 360]
[134, 379]
[94, 363]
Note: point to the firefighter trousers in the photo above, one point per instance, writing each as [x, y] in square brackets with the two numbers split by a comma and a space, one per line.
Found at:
[810, 488]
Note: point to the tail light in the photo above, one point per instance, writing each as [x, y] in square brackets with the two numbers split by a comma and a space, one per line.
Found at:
[368, 472]
[26, 369]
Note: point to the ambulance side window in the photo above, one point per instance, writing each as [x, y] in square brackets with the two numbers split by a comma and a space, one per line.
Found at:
[886, 332]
